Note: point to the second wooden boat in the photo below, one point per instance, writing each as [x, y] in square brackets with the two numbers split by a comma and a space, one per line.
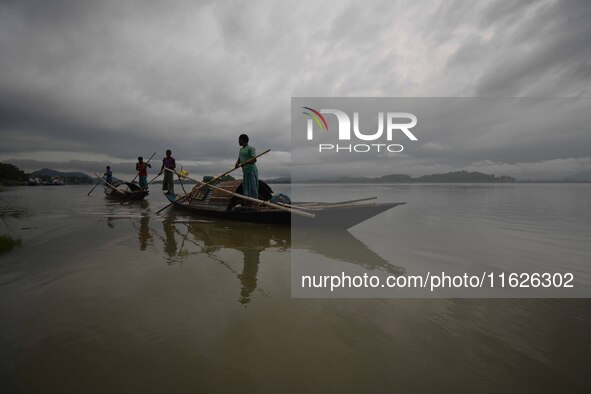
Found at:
[124, 191]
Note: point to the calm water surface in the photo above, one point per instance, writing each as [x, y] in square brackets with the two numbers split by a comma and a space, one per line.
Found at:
[104, 297]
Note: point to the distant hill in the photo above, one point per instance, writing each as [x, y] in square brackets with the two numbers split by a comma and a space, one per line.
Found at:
[449, 177]
[579, 177]
[464, 176]
[278, 180]
[71, 178]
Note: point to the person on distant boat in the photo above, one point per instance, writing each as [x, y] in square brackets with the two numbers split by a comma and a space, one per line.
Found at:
[109, 175]
[142, 169]
[168, 162]
[250, 174]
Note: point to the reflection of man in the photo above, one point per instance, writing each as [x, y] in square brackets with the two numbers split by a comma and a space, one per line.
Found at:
[144, 232]
[248, 277]
[170, 242]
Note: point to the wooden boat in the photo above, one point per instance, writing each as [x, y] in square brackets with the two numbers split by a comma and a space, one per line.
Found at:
[217, 203]
[124, 191]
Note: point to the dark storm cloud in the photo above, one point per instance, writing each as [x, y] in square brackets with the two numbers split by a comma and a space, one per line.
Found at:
[550, 41]
[120, 79]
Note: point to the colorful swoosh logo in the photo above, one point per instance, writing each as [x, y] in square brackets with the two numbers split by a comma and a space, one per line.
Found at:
[317, 116]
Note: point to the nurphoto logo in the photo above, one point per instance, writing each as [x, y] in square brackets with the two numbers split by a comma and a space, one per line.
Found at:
[396, 123]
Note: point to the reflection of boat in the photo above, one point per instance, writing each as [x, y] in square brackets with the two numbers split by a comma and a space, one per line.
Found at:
[185, 238]
[217, 203]
[124, 191]
[342, 246]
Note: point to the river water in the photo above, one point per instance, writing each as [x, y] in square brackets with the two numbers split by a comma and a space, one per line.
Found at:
[104, 297]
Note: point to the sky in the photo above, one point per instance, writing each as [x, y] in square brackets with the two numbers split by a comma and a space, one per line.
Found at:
[86, 84]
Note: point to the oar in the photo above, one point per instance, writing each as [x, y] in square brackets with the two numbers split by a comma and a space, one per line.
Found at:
[153, 154]
[98, 183]
[247, 198]
[153, 179]
[313, 204]
[108, 184]
[197, 188]
[181, 182]
[352, 201]
[321, 207]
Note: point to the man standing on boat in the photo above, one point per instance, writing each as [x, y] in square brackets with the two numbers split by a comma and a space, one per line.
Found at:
[168, 162]
[142, 169]
[250, 174]
[109, 175]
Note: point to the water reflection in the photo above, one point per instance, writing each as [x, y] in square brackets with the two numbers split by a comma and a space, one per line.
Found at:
[249, 239]
[185, 237]
[170, 244]
[116, 211]
[144, 232]
[248, 277]
[341, 245]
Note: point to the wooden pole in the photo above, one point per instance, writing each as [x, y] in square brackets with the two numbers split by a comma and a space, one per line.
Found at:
[98, 183]
[197, 188]
[247, 198]
[181, 182]
[153, 179]
[321, 207]
[312, 204]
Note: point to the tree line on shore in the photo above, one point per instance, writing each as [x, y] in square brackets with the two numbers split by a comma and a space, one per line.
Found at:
[449, 177]
[11, 175]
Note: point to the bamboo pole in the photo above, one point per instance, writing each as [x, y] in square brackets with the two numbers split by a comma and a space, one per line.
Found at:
[98, 183]
[247, 198]
[197, 188]
[181, 182]
[358, 200]
[153, 179]
[337, 203]
[320, 207]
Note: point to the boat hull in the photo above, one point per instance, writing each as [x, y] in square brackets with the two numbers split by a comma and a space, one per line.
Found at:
[127, 196]
[336, 217]
[124, 191]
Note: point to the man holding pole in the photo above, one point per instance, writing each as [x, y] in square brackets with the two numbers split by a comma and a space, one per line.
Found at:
[169, 163]
[142, 169]
[109, 175]
[250, 174]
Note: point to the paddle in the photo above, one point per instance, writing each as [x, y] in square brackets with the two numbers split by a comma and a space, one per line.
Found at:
[196, 189]
[153, 154]
[252, 199]
[91, 190]
[181, 182]
[320, 206]
[153, 179]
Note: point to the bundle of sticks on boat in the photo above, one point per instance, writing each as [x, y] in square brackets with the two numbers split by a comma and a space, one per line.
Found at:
[318, 206]
[201, 184]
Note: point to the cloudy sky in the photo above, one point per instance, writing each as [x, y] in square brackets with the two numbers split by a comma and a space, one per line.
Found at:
[85, 84]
